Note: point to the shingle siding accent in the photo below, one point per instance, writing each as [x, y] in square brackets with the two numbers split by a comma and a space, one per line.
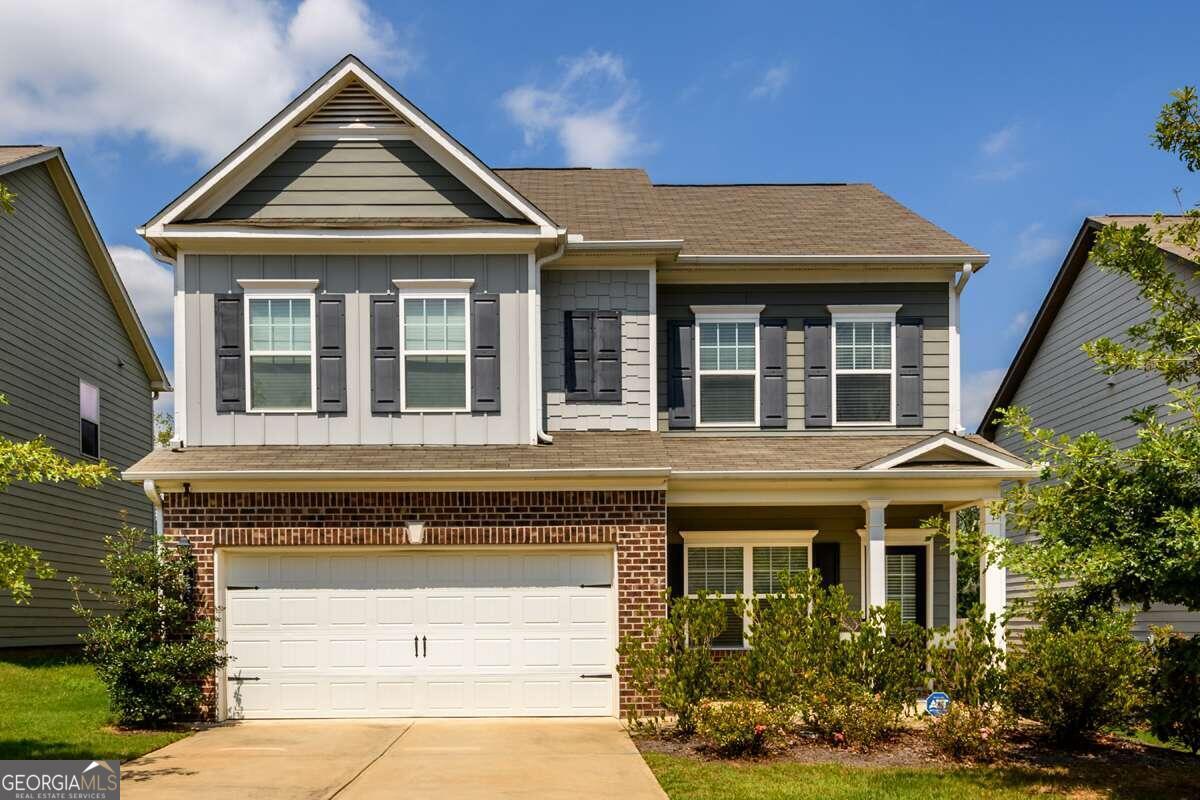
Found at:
[60, 327]
[624, 290]
[634, 521]
[1065, 392]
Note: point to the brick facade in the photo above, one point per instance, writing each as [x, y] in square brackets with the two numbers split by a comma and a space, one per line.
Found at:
[634, 521]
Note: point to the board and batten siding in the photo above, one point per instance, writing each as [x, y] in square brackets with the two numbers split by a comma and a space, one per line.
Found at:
[355, 179]
[624, 290]
[357, 277]
[1064, 391]
[797, 303]
[838, 524]
[60, 327]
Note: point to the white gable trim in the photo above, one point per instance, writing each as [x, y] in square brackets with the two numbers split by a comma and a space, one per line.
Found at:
[984, 454]
[281, 132]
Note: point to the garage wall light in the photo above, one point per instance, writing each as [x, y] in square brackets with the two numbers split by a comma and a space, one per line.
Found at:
[416, 531]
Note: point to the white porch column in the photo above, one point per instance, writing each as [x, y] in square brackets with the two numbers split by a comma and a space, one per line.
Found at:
[875, 553]
[952, 569]
[992, 589]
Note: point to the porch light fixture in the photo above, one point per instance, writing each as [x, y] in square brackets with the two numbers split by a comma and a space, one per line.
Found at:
[416, 531]
[184, 545]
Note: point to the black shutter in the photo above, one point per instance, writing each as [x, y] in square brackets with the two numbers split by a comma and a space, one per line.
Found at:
[577, 355]
[773, 375]
[818, 384]
[485, 352]
[385, 354]
[231, 363]
[331, 353]
[681, 374]
[910, 410]
[606, 356]
[827, 560]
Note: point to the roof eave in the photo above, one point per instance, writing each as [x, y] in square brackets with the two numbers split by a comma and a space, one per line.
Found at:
[977, 260]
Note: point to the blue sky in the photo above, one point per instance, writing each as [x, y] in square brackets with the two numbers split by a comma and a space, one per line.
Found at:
[1004, 123]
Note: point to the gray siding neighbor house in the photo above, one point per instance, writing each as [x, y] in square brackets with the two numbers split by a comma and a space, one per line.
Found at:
[1061, 387]
[447, 431]
[77, 368]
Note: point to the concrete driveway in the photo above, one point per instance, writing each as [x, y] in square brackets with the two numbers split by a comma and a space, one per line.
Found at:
[426, 758]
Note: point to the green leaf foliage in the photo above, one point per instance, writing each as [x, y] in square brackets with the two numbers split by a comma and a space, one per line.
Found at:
[1174, 709]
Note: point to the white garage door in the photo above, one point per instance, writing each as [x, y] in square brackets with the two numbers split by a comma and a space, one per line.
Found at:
[437, 633]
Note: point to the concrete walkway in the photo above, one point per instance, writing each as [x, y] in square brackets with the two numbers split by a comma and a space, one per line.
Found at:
[427, 758]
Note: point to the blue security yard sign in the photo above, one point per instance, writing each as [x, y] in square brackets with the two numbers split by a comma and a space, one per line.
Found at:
[937, 704]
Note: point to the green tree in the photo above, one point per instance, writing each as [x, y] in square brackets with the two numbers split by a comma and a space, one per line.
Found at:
[7, 200]
[1123, 524]
[164, 428]
[36, 462]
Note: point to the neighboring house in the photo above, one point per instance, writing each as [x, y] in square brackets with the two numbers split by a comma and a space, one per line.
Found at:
[447, 431]
[1063, 389]
[76, 367]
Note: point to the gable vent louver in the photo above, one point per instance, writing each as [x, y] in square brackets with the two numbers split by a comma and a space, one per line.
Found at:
[353, 107]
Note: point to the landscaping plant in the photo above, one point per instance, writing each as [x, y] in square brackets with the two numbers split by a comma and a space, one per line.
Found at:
[739, 727]
[886, 656]
[1174, 688]
[966, 664]
[152, 652]
[672, 658]
[1080, 678]
[976, 732]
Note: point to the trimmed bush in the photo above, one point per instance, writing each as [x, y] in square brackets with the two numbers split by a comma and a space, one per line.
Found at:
[847, 715]
[1174, 703]
[739, 727]
[1077, 681]
[971, 731]
[672, 658]
[153, 653]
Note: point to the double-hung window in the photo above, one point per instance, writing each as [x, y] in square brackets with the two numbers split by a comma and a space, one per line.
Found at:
[435, 338]
[89, 420]
[748, 563]
[864, 365]
[280, 337]
[727, 358]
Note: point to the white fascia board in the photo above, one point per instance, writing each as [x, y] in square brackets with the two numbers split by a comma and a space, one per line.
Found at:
[605, 245]
[195, 233]
[979, 260]
[984, 454]
[399, 474]
[1006, 473]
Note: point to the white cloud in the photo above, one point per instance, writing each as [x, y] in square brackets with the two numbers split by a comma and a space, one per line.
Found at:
[772, 82]
[1001, 162]
[1034, 246]
[192, 78]
[999, 142]
[151, 286]
[591, 110]
[1019, 323]
[978, 390]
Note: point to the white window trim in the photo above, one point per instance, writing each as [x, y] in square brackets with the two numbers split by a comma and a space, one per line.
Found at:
[905, 537]
[711, 314]
[747, 540]
[262, 292]
[436, 289]
[872, 313]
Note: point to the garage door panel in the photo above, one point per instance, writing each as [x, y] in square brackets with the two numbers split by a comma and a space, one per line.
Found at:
[427, 634]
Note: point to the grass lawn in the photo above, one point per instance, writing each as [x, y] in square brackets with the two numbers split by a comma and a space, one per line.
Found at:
[685, 778]
[53, 706]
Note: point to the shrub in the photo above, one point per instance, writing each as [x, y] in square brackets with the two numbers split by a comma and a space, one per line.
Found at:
[794, 640]
[672, 660]
[886, 656]
[1174, 702]
[1076, 681]
[971, 731]
[737, 727]
[967, 665]
[846, 714]
[153, 653]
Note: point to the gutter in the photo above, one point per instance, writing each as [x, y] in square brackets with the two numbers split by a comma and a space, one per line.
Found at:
[968, 269]
[831, 474]
[976, 258]
[410, 474]
[151, 490]
[630, 245]
[535, 337]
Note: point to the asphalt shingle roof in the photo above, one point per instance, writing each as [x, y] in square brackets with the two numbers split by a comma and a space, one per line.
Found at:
[15, 152]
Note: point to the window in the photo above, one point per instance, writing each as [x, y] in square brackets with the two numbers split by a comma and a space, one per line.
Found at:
[751, 566]
[89, 420]
[727, 369]
[903, 584]
[280, 333]
[434, 377]
[864, 374]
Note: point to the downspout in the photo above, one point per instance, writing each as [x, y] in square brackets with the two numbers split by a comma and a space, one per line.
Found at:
[542, 436]
[967, 271]
[151, 491]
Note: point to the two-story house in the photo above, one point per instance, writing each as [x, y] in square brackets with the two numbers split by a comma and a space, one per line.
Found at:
[448, 431]
[1055, 380]
[76, 367]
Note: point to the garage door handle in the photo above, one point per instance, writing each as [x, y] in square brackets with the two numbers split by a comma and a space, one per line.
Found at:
[595, 586]
[424, 647]
[235, 588]
[239, 678]
[597, 675]
[416, 652]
